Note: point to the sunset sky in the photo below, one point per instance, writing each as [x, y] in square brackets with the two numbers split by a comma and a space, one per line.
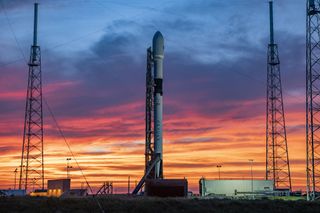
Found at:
[93, 63]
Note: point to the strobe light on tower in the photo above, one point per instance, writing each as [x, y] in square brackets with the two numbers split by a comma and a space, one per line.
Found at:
[277, 157]
[313, 99]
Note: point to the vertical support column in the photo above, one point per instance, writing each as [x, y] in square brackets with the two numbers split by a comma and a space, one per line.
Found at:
[149, 153]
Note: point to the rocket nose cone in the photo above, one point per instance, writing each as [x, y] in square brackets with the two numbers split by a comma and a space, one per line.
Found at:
[158, 35]
[158, 43]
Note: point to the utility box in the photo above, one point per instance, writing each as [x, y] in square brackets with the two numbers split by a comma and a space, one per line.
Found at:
[166, 187]
[57, 187]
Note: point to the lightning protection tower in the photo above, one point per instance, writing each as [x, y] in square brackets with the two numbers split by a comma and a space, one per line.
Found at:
[313, 98]
[277, 159]
[31, 168]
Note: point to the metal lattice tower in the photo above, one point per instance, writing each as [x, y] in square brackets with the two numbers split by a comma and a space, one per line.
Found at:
[313, 98]
[149, 150]
[31, 168]
[106, 189]
[277, 159]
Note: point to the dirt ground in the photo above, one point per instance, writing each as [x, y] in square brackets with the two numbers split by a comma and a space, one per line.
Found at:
[152, 205]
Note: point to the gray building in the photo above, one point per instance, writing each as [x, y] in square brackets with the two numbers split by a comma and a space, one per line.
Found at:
[12, 192]
[57, 187]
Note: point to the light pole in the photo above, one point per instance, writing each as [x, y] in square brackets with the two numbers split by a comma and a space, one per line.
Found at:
[33, 183]
[82, 183]
[251, 165]
[68, 167]
[15, 178]
[20, 179]
[128, 185]
[219, 167]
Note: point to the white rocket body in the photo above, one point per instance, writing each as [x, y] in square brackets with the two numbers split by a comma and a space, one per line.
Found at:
[158, 54]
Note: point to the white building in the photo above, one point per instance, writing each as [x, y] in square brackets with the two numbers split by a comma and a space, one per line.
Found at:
[235, 188]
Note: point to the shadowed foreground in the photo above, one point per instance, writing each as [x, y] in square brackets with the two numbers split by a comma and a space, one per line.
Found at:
[141, 205]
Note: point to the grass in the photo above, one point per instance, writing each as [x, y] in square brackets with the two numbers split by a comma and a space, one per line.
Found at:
[153, 205]
[288, 198]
